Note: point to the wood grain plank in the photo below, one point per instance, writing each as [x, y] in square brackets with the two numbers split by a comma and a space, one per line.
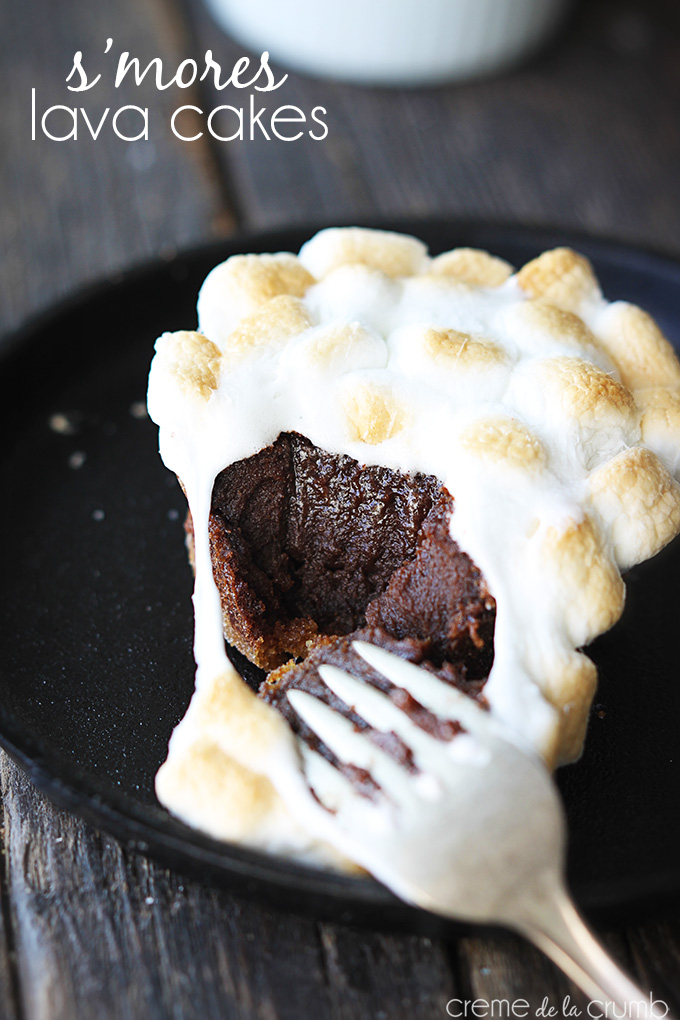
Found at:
[271, 181]
[586, 136]
[9, 980]
[655, 951]
[376, 976]
[77, 210]
[501, 966]
[102, 932]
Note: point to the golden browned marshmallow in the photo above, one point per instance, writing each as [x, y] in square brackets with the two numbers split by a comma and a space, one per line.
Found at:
[334, 347]
[246, 282]
[218, 776]
[639, 501]
[589, 580]
[562, 277]
[660, 421]
[372, 413]
[277, 320]
[473, 266]
[214, 793]
[231, 714]
[503, 440]
[642, 354]
[393, 254]
[536, 324]
[461, 349]
[569, 684]
[193, 361]
[209, 789]
[585, 393]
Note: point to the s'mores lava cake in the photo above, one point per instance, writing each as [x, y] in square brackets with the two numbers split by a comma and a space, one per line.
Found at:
[441, 455]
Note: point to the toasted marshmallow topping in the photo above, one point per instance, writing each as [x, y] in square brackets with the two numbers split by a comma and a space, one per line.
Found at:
[551, 416]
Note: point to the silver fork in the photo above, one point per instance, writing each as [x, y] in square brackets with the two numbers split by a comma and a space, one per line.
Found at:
[476, 832]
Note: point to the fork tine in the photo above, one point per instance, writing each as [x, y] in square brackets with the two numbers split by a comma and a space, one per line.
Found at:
[351, 747]
[380, 712]
[338, 795]
[432, 693]
[333, 789]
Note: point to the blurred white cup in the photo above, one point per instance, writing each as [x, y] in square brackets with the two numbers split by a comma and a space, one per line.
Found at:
[392, 42]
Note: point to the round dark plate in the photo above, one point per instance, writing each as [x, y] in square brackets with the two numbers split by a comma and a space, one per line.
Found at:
[96, 664]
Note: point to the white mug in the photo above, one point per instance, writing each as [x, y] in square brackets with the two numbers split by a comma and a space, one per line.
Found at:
[392, 42]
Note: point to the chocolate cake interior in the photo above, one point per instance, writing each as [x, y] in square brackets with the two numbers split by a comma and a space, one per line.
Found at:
[339, 652]
[311, 550]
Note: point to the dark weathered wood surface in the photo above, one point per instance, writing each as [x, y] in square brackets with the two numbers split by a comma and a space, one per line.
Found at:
[587, 136]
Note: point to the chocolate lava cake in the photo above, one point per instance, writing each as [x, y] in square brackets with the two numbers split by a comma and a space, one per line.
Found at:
[322, 420]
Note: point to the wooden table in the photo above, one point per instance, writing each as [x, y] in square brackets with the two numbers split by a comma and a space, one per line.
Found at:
[587, 136]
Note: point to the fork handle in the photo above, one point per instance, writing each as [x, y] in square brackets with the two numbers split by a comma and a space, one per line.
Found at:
[555, 927]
